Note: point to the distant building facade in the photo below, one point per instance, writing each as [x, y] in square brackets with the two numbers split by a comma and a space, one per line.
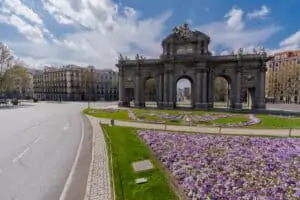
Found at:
[106, 85]
[187, 93]
[283, 77]
[180, 94]
[75, 83]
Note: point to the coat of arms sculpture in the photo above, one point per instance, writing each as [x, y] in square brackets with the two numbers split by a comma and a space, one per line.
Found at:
[183, 31]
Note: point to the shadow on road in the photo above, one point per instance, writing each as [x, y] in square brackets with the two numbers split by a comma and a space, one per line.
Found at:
[5, 107]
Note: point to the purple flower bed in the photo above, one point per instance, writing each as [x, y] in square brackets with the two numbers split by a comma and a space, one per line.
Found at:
[229, 167]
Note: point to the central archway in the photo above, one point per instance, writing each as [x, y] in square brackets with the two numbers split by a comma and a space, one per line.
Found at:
[184, 92]
[222, 92]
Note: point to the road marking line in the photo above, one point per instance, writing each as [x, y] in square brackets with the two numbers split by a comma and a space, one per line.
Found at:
[71, 174]
[20, 155]
[37, 140]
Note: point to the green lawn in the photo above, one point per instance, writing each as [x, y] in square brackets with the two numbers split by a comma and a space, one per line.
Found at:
[276, 122]
[102, 113]
[126, 147]
[233, 119]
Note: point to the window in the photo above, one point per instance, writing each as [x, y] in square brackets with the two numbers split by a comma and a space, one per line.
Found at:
[276, 66]
[281, 98]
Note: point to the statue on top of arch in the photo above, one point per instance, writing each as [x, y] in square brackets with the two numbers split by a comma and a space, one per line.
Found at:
[183, 31]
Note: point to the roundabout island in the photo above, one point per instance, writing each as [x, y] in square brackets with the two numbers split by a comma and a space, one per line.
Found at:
[198, 118]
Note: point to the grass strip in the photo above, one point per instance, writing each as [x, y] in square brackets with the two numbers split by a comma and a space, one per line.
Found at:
[126, 148]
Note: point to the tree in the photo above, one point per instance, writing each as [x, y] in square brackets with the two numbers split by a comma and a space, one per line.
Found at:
[17, 80]
[6, 59]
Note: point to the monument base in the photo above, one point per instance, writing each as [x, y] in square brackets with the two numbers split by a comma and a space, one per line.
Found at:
[124, 103]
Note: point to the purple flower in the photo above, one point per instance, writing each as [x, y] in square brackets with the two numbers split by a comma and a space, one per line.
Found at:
[229, 167]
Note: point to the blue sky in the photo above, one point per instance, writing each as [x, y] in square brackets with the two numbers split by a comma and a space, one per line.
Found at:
[56, 32]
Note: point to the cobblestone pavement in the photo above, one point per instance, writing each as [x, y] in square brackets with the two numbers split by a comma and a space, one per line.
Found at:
[98, 184]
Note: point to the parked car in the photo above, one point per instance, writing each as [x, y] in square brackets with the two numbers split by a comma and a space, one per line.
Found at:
[3, 101]
[15, 102]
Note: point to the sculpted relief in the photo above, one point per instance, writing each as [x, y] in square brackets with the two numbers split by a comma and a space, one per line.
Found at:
[185, 49]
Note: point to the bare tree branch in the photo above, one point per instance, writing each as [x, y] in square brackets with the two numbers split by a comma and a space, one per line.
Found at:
[6, 59]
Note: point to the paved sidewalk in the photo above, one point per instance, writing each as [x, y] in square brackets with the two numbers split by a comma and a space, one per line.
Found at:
[98, 184]
[211, 130]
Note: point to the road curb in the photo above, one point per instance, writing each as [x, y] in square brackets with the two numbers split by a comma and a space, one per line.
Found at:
[98, 182]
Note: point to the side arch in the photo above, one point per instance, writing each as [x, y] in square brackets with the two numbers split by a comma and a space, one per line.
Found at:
[149, 90]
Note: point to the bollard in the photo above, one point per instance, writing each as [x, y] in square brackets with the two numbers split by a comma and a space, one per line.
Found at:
[165, 125]
[112, 122]
[290, 132]
[220, 130]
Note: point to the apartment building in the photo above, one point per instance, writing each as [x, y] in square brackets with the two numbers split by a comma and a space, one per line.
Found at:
[106, 85]
[283, 77]
[75, 83]
[180, 94]
[187, 93]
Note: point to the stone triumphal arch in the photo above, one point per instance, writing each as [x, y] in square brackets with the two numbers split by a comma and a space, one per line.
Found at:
[186, 55]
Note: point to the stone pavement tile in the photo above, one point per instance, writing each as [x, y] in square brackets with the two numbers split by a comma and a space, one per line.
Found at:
[295, 132]
[99, 184]
[212, 130]
[142, 165]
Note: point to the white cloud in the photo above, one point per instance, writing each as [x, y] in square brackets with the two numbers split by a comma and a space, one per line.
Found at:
[104, 29]
[20, 9]
[294, 39]
[261, 13]
[235, 19]
[232, 33]
[24, 19]
[288, 44]
[108, 31]
[32, 33]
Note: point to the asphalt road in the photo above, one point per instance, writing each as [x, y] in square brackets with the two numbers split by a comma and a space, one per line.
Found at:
[38, 146]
